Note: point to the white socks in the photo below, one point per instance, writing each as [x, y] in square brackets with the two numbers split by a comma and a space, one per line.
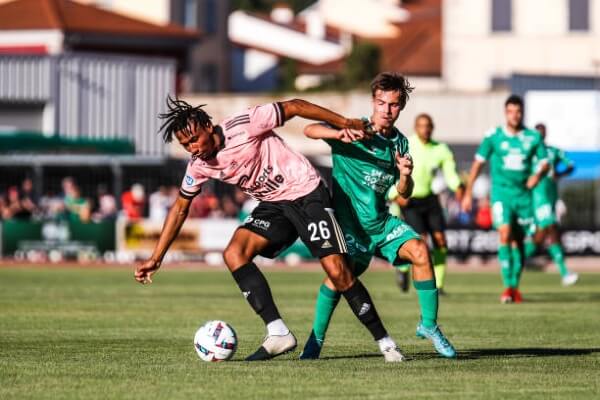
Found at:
[277, 328]
[386, 343]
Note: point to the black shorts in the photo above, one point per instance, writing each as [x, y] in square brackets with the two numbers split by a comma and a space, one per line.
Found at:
[425, 215]
[310, 217]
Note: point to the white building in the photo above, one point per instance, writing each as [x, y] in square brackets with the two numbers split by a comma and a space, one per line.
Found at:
[489, 40]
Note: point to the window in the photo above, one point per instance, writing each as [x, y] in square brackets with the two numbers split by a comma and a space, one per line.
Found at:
[190, 14]
[501, 15]
[210, 16]
[579, 15]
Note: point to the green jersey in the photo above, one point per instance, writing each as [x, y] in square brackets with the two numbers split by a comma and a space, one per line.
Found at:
[512, 158]
[363, 172]
[427, 158]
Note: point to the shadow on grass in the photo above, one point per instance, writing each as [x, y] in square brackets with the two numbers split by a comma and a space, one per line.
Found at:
[475, 354]
[470, 354]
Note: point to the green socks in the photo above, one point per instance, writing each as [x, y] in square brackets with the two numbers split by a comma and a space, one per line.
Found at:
[529, 248]
[558, 257]
[504, 253]
[327, 300]
[439, 265]
[516, 262]
[428, 302]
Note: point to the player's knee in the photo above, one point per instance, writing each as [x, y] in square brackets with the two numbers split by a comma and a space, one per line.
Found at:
[420, 255]
[234, 256]
[338, 272]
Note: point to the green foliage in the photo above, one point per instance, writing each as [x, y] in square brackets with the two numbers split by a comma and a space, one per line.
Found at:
[288, 71]
[362, 64]
[94, 333]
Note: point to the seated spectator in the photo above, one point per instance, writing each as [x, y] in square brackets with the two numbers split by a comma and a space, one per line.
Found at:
[133, 202]
[14, 208]
[107, 205]
[78, 208]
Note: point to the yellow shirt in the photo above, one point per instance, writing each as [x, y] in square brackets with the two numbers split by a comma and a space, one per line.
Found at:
[427, 158]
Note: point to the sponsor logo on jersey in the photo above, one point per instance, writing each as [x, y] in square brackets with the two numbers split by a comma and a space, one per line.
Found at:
[378, 180]
[263, 185]
[189, 180]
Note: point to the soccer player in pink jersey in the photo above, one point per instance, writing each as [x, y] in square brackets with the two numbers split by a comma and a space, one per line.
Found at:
[245, 151]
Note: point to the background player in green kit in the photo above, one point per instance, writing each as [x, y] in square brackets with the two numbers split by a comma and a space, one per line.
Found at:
[518, 161]
[545, 196]
[423, 211]
[364, 169]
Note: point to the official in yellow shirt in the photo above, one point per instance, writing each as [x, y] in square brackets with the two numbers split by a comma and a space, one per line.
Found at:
[422, 210]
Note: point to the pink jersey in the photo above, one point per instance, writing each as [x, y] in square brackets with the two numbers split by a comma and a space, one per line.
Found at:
[255, 159]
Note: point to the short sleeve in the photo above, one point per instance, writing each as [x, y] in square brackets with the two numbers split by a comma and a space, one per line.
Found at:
[262, 119]
[192, 182]
[449, 168]
[485, 149]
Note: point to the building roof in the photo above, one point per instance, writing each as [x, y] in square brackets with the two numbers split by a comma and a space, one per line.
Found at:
[418, 48]
[71, 17]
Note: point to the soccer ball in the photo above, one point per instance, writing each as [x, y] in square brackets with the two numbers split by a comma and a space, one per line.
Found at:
[215, 341]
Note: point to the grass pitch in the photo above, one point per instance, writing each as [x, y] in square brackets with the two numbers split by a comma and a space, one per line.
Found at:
[96, 334]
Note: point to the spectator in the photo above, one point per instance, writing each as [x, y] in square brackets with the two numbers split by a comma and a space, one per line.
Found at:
[14, 208]
[483, 217]
[159, 203]
[78, 208]
[205, 205]
[133, 202]
[107, 205]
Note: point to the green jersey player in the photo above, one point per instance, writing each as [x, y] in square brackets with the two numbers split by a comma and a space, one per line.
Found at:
[365, 167]
[545, 196]
[517, 158]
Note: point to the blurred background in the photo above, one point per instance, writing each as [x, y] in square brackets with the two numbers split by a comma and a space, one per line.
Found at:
[85, 176]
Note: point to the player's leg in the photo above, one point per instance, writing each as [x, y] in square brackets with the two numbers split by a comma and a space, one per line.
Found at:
[320, 231]
[416, 217]
[502, 218]
[436, 225]
[416, 252]
[400, 244]
[327, 300]
[265, 232]
[555, 250]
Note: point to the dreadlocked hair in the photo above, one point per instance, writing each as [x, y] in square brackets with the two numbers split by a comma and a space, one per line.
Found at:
[178, 117]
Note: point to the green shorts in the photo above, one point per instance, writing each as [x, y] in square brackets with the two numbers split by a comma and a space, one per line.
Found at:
[544, 205]
[511, 207]
[385, 244]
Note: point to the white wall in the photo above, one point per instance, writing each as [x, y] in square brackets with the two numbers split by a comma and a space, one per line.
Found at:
[52, 39]
[539, 42]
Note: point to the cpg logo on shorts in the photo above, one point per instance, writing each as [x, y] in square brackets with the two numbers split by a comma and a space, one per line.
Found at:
[257, 223]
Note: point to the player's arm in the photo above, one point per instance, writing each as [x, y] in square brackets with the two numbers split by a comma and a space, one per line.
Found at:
[467, 201]
[302, 108]
[175, 219]
[451, 174]
[405, 184]
[322, 131]
[542, 167]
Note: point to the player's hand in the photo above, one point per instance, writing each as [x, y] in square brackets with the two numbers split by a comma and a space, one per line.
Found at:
[350, 135]
[467, 203]
[532, 181]
[404, 164]
[143, 273]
